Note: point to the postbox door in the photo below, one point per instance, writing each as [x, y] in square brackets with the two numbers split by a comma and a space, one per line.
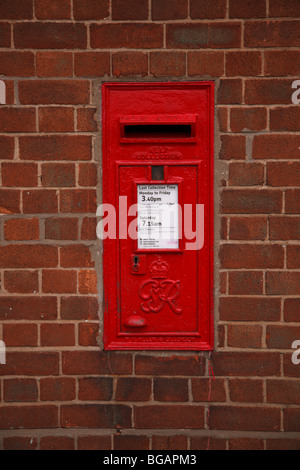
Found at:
[159, 277]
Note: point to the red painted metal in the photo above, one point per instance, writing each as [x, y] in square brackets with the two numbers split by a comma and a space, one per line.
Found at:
[158, 298]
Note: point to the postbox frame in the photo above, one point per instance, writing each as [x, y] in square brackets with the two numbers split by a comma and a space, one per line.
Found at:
[113, 338]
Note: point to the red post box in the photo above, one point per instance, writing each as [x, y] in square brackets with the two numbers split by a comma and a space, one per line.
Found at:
[157, 225]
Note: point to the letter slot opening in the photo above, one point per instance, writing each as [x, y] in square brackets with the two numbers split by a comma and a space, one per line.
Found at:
[135, 129]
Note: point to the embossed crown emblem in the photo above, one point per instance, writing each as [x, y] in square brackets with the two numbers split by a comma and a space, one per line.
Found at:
[159, 269]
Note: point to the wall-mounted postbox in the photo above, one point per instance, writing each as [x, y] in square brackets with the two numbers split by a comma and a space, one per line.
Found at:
[157, 224]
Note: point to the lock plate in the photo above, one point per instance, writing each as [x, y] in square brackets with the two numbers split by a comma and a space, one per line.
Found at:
[138, 264]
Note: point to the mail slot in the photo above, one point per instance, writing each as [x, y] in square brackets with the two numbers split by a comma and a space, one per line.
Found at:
[157, 215]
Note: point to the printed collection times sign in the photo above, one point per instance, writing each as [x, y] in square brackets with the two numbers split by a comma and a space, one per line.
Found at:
[158, 216]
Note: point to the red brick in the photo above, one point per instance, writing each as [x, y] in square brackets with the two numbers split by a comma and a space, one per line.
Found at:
[246, 390]
[207, 389]
[59, 281]
[245, 282]
[230, 91]
[272, 33]
[284, 228]
[95, 388]
[7, 147]
[129, 35]
[57, 443]
[168, 10]
[58, 389]
[249, 309]
[133, 389]
[87, 281]
[31, 417]
[268, 91]
[292, 201]
[62, 334]
[282, 63]
[28, 308]
[281, 146]
[52, 9]
[244, 443]
[95, 416]
[54, 92]
[251, 201]
[20, 390]
[10, 91]
[54, 64]
[94, 442]
[91, 64]
[16, 10]
[20, 335]
[87, 174]
[248, 119]
[290, 369]
[169, 365]
[130, 442]
[5, 34]
[233, 147]
[95, 362]
[166, 389]
[163, 64]
[126, 64]
[283, 391]
[281, 336]
[16, 174]
[86, 120]
[55, 147]
[285, 119]
[239, 418]
[279, 8]
[200, 9]
[31, 363]
[9, 201]
[291, 309]
[40, 201]
[88, 334]
[203, 35]
[79, 308]
[206, 63]
[291, 419]
[88, 228]
[76, 256]
[21, 229]
[283, 174]
[207, 443]
[19, 443]
[14, 63]
[293, 256]
[50, 35]
[167, 416]
[283, 283]
[90, 9]
[28, 256]
[283, 444]
[247, 9]
[246, 364]
[58, 175]
[17, 119]
[178, 442]
[21, 281]
[244, 336]
[129, 9]
[243, 63]
[56, 119]
[61, 228]
[251, 256]
[79, 200]
[223, 114]
[246, 174]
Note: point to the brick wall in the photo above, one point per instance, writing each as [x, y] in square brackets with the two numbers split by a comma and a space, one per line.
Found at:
[59, 389]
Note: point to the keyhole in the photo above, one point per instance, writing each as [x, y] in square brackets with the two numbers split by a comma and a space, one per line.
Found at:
[136, 260]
